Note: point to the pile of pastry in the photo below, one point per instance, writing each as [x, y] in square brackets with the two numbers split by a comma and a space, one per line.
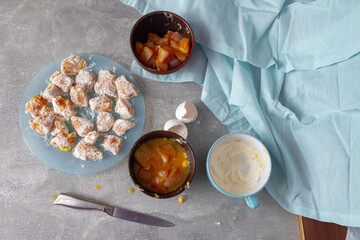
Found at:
[50, 110]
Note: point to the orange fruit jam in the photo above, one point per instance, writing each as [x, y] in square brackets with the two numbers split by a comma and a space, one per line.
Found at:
[161, 165]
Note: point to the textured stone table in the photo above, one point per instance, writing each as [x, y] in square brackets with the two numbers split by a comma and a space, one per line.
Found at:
[33, 34]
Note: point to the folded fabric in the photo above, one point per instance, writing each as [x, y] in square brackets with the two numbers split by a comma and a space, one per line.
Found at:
[301, 35]
[287, 73]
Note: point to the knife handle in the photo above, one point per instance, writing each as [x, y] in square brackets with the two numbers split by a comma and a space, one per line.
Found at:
[77, 203]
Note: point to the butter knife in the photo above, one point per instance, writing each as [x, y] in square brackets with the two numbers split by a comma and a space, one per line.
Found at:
[78, 203]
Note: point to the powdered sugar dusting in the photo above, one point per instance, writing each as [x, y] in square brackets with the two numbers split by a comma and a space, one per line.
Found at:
[91, 65]
[84, 112]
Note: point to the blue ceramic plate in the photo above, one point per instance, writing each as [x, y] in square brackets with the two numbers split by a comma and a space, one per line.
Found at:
[65, 161]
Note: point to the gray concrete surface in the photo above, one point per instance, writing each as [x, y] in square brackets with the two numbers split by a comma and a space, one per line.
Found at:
[34, 33]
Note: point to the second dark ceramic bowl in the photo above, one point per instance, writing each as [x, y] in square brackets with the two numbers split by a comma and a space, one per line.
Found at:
[189, 153]
[159, 23]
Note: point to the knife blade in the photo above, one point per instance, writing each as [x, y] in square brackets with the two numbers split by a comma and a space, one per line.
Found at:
[84, 204]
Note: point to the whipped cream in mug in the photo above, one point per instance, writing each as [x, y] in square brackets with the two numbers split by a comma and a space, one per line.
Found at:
[234, 167]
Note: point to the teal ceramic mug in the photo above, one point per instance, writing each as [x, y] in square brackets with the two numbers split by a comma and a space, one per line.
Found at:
[229, 148]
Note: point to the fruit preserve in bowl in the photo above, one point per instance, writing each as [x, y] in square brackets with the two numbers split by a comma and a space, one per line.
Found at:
[161, 164]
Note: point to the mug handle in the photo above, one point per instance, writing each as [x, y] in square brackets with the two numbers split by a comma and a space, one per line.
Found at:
[252, 201]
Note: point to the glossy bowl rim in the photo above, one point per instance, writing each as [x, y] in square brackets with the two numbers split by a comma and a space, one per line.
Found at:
[148, 192]
[152, 70]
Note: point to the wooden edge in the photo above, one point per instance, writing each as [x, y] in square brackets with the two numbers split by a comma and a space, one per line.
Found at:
[301, 227]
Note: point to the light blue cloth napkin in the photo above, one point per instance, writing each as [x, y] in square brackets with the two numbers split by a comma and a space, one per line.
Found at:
[288, 73]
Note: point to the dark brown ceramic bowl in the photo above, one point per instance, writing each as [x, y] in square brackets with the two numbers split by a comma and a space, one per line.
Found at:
[189, 153]
[159, 23]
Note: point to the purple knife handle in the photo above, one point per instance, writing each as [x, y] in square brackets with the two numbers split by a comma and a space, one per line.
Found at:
[73, 202]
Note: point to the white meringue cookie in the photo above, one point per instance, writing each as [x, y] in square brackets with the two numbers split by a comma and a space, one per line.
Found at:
[177, 127]
[186, 112]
